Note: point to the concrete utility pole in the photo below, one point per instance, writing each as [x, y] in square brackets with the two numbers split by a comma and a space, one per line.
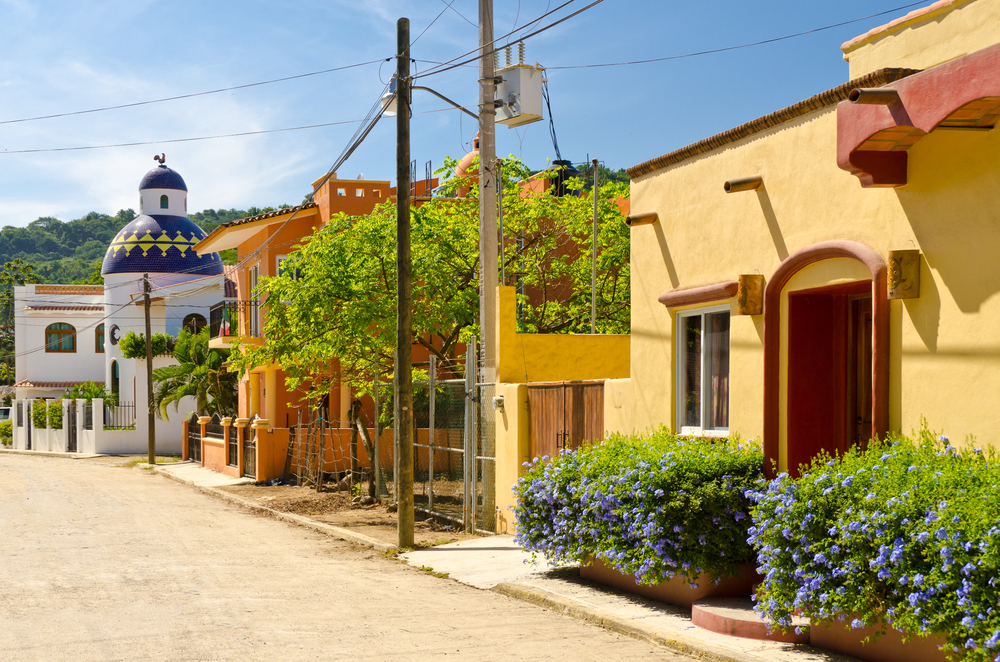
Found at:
[149, 372]
[487, 194]
[403, 414]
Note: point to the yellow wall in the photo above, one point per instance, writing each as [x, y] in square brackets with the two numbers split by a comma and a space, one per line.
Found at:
[929, 39]
[529, 357]
[944, 346]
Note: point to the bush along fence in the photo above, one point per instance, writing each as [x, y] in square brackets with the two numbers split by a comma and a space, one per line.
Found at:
[903, 534]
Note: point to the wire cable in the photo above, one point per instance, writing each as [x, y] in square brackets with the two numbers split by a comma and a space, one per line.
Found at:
[188, 96]
[184, 140]
[748, 45]
[438, 69]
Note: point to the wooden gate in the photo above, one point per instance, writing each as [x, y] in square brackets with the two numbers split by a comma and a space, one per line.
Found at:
[564, 415]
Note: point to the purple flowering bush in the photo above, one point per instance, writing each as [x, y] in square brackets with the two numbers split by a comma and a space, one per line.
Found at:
[905, 533]
[652, 505]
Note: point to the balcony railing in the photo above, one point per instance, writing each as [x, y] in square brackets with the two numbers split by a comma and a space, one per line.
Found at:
[229, 319]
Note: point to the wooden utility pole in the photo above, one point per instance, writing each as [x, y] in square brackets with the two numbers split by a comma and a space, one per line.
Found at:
[403, 415]
[150, 421]
[487, 194]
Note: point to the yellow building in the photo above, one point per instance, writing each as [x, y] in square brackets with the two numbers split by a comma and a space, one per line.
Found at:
[830, 270]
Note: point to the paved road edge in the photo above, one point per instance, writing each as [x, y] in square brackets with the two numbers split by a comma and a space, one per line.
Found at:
[328, 529]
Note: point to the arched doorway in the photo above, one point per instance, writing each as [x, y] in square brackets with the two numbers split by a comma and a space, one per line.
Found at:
[826, 366]
[115, 378]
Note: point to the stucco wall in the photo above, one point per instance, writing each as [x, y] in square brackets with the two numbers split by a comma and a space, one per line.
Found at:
[944, 349]
[932, 36]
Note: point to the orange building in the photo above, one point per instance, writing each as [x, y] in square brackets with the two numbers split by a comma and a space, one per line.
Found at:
[262, 243]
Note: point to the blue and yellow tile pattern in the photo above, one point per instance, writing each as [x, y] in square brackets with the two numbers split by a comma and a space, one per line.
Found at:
[159, 244]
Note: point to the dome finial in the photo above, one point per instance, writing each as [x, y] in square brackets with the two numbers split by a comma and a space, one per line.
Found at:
[162, 158]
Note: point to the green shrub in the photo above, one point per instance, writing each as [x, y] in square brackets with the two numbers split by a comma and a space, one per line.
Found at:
[90, 390]
[6, 431]
[652, 505]
[133, 345]
[39, 414]
[905, 534]
[55, 415]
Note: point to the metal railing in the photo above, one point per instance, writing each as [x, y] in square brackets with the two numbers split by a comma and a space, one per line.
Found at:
[120, 416]
[229, 319]
[232, 441]
[214, 428]
[194, 439]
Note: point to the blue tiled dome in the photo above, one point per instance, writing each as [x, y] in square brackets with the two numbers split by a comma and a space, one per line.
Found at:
[163, 177]
[160, 244]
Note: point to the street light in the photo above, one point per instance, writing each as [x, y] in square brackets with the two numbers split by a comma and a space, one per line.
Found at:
[390, 105]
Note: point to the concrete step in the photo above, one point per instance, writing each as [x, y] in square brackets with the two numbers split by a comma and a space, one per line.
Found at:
[735, 617]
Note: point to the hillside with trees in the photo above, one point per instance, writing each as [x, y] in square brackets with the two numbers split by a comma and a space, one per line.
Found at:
[72, 251]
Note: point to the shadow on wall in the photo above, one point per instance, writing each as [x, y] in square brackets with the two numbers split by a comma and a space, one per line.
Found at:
[951, 203]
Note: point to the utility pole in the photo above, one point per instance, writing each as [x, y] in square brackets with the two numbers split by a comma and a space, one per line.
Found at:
[593, 261]
[403, 414]
[150, 422]
[487, 194]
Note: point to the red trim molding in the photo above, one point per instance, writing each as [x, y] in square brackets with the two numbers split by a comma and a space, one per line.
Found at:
[926, 100]
[699, 294]
[772, 334]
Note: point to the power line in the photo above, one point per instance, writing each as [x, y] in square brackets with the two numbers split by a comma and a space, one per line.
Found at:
[733, 48]
[184, 140]
[188, 96]
[438, 69]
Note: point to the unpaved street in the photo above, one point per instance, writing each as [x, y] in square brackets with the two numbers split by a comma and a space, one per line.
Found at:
[109, 563]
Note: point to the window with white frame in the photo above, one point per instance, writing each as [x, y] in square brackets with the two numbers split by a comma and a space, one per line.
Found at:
[703, 371]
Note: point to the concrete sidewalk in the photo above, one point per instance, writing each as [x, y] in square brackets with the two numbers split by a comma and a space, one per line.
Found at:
[197, 475]
[497, 563]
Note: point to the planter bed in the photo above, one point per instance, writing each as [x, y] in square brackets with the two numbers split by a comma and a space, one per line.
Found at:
[890, 647]
[676, 591]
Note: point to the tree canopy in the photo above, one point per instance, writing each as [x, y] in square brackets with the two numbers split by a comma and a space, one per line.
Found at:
[330, 316]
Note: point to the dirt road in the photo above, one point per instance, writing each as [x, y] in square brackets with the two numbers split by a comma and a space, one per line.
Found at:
[109, 563]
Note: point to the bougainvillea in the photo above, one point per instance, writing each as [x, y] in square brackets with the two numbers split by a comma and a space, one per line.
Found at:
[651, 505]
[905, 533]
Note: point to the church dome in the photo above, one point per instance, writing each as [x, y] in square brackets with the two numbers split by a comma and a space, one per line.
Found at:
[160, 244]
[163, 177]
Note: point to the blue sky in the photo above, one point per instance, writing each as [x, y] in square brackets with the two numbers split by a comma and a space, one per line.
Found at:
[62, 56]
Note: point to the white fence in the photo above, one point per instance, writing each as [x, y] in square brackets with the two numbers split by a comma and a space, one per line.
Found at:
[92, 436]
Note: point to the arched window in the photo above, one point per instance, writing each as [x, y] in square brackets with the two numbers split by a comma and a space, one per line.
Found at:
[164, 202]
[60, 337]
[194, 322]
[115, 378]
[99, 339]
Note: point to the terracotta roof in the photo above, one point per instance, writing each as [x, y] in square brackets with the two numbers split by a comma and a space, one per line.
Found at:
[25, 383]
[230, 287]
[940, 7]
[75, 309]
[69, 289]
[813, 103]
[270, 214]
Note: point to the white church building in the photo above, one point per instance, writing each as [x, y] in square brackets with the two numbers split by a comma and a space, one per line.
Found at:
[66, 335]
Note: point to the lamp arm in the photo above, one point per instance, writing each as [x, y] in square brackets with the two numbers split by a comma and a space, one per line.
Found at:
[446, 99]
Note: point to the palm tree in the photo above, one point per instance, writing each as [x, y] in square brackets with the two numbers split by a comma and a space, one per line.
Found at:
[199, 372]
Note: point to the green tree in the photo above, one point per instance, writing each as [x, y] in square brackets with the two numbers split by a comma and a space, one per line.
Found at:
[331, 314]
[199, 372]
